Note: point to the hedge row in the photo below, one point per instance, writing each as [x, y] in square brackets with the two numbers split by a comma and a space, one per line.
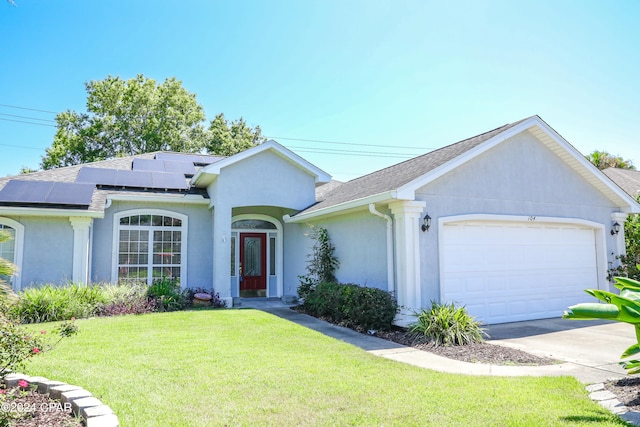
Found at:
[352, 305]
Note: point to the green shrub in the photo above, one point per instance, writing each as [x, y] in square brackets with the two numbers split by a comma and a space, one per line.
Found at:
[326, 300]
[126, 299]
[353, 306]
[168, 295]
[49, 303]
[17, 344]
[369, 308]
[446, 324]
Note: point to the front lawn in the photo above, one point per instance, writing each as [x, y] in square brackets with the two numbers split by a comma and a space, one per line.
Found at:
[246, 367]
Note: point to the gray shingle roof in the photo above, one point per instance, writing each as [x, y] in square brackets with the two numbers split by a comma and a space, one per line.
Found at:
[394, 177]
[628, 180]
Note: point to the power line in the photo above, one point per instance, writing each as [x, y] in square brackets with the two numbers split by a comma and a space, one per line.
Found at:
[350, 143]
[26, 117]
[21, 146]
[29, 123]
[348, 153]
[26, 108]
[353, 152]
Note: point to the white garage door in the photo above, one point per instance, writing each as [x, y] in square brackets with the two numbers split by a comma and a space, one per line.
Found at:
[512, 271]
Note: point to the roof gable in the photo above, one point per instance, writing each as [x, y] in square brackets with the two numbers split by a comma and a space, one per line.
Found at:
[209, 173]
[400, 181]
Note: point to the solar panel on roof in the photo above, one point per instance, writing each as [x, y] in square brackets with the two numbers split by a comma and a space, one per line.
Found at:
[169, 166]
[133, 179]
[185, 168]
[25, 191]
[169, 180]
[46, 192]
[69, 193]
[193, 158]
[149, 165]
[137, 179]
[97, 175]
[207, 160]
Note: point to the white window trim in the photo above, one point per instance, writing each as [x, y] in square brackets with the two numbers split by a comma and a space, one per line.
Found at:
[18, 242]
[184, 241]
[279, 247]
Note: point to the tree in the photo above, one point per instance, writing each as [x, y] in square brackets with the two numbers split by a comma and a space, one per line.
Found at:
[227, 138]
[128, 117]
[603, 160]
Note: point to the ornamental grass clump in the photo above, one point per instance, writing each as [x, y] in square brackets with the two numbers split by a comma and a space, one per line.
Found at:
[446, 324]
[50, 303]
[168, 295]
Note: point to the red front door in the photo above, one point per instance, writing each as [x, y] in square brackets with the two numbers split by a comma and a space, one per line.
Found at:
[253, 265]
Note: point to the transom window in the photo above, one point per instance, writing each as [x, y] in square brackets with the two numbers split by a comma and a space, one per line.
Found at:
[253, 224]
[150, 248]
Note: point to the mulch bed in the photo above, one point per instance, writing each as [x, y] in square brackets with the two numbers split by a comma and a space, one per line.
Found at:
[627, 391]
[38, 410]
[473, 353]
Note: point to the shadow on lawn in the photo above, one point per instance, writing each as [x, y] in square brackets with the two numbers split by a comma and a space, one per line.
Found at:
[591, 419]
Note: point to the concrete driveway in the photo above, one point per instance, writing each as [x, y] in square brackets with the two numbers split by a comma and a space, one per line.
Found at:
[595, 345]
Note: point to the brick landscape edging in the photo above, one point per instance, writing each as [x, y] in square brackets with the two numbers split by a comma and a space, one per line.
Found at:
[83, 404]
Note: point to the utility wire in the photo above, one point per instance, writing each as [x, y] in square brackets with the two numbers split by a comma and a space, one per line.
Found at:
[350, 143]
[30, 123]
[30, 109]
[316, 150]
[21, 146]
[354, 152]
[26, 117]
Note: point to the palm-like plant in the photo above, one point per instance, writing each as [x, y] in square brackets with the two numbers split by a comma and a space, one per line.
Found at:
[604, 160]
[622, 308]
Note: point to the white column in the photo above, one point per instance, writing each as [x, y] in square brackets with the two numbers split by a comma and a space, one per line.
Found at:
[222, 252]
[620, 246]
[81, 241]
[407, 215]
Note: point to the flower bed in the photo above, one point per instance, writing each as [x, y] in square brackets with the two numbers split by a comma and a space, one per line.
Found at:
[33, 401]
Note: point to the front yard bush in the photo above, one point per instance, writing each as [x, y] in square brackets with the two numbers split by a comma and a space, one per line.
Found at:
[352, 305]
[168, 295]
[446, 324]
[50, 303]
[126, 299]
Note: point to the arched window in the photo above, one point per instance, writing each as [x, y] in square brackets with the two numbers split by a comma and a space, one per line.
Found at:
[151, 246]
[11, 249]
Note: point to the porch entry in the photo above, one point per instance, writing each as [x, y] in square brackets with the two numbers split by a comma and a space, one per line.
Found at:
[253, 265]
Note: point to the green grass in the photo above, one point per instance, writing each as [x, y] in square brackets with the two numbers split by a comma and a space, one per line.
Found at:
[249, 368]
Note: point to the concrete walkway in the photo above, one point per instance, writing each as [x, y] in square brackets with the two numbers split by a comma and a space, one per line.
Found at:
[589, 350]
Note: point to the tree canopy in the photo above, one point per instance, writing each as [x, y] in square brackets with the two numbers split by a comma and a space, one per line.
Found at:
[128, 117]
[603, 160]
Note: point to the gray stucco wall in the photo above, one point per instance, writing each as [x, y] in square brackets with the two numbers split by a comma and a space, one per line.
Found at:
[361, 247]
[264, 179]
[47, 251]
[518, 177]
[199, 250]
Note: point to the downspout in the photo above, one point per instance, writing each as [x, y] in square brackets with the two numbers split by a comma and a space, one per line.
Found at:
[390, 268]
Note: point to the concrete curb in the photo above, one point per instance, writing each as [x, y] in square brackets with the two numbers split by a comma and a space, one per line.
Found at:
[79, 401]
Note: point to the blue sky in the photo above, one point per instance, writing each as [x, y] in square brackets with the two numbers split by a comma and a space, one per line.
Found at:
[398, 78]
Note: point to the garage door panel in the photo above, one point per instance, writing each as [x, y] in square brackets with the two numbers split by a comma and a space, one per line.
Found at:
[506, 272]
